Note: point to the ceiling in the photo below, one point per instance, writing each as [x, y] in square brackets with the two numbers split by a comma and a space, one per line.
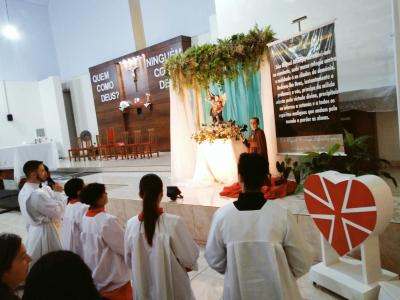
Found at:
[39, 2]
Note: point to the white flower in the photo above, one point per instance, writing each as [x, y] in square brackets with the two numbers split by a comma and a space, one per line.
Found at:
[124, 104]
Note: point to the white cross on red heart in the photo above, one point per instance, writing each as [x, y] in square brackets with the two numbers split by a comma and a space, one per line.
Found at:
[344, 208]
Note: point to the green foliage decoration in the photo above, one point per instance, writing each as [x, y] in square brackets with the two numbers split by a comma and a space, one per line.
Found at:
[200, 65]
[358, 160]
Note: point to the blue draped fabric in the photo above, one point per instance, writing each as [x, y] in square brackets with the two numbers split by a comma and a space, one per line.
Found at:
[243, 99]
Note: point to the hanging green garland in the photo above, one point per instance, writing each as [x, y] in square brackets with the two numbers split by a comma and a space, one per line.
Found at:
[204, 64]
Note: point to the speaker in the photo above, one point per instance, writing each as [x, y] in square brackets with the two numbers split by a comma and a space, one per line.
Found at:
[10, 117]
[173, 193]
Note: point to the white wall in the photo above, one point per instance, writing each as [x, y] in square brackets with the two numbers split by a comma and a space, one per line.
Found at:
[33, 105]
[89, 32]
[25, 106]
[388, 136]
[363, 32]
[164, 20]
[55, 120]
[83, 104]
[33, 56]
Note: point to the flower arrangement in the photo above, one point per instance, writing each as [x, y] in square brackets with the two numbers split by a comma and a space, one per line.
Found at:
[224, 131]
[137, 103]
[124, 105]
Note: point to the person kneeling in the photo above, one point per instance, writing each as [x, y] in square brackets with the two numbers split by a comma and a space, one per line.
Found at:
[102, 241]
[257, 243]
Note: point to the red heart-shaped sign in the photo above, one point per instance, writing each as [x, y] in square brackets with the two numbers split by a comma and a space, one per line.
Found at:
[345, 212]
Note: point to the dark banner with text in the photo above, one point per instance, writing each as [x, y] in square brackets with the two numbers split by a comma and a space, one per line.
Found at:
[305, 91]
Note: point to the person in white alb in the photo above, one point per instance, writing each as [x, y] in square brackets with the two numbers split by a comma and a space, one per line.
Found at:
[257, 243]
[39, 210]
[159, 248]
[102, 241]
[71, 222]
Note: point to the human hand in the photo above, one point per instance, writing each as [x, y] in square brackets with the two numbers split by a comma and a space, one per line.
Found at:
[58, 187]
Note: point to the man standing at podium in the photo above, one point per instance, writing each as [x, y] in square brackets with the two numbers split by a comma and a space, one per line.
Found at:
[256, 143]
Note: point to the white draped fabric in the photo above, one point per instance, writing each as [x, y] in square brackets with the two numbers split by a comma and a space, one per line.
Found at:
[186, 163]
[183, 125]
[217, 162]
[267, 105]
[15, 157]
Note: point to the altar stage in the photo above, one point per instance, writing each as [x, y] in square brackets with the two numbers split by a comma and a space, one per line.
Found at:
[121, 178]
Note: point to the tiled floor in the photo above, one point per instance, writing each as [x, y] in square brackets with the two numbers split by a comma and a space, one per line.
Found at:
[206, 283]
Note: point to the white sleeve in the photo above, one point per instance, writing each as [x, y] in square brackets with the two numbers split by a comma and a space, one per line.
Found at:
[127, 246]
[60, 197]
[113, 235]
[298, 252]
[184, 247]
[45, 205]
[215, 252]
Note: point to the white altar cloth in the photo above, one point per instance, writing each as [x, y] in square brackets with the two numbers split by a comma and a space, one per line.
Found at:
[217, 162]
[14, 157]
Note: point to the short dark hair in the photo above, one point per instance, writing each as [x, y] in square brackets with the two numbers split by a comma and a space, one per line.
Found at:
[61, 275]
[91, 193]
[253, 169]
[31, 166]
[73, 187]
[9, 247]
[257, 120]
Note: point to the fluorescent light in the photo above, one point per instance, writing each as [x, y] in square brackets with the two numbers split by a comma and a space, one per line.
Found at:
[10, 32]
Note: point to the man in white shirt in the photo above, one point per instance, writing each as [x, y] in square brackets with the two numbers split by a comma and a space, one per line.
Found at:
[257, 243]
[38, 209]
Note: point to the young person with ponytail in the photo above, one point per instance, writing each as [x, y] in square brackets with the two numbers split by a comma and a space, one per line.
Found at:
[71, 223]
[102, 241]
[159, 248]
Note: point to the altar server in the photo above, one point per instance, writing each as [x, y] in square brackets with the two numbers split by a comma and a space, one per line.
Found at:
[257, 243]
[39, 209]
[71, 223]
[159, 248]
[102, 241]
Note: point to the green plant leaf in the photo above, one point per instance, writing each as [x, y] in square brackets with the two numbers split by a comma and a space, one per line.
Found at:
[201, 65]
[361, 139]
[348, 138]
[333, 149]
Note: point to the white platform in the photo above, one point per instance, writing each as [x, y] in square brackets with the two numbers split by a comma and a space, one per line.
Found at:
[345, 279]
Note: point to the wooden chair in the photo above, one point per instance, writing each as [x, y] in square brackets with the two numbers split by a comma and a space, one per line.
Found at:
[151, 146]
[102, 148]
[138, 142]
[116, 149]
[87, 149]
[84, 149]
[74, 153]
[130, 146]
